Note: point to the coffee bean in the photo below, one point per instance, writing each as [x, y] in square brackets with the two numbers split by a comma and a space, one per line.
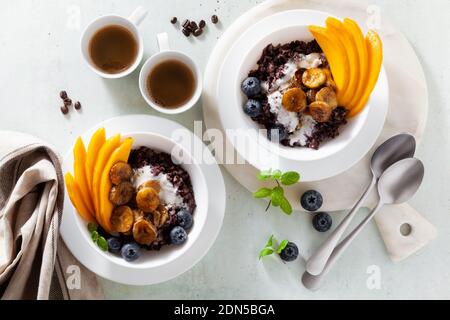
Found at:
[198, 32]
[64, 109]
[186, 32]
[186, 23]
[63, 94]
[202, 24]
[77, 105]
[193, 25]
[173, 20]
[67, 102]
[214, 19]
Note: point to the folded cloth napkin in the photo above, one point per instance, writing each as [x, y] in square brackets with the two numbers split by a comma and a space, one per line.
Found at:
[34, 262]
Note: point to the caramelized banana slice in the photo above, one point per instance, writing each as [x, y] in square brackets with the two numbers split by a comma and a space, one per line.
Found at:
[294, 100]
[164, 215]
[320, 111]
[311, 95]
[330, 82]
[156, 218]
[147, 199]
[120, 172]
[121, 194]
[151, 184]
[314, 78]
[122, 219]
[144, 232]
[327, 95]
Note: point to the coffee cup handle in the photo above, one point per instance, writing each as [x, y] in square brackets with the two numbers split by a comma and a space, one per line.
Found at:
[138, 15]
[163, 41]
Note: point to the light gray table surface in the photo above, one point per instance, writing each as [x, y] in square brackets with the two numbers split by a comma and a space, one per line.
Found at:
[40, 55]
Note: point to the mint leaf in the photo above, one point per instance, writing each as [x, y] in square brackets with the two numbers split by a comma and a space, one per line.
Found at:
[264, 175]
[270, 241]
[276, 174]
[285, 205]
[282, 245]
[94, 236]
[265, 252]
[277, 196]
[92, 227]
[290, 178]
[102, 243]
[262, 193]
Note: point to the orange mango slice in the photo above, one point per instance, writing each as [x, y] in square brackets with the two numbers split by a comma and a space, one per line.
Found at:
[336, 55]
[103, 155]
[358, 37]
[120, 154]
[77, 200]
[375, 59]
[79, 153]
[337, 29]
[97, 141]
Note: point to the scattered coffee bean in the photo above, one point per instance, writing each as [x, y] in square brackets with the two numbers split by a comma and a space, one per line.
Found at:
[186, 32]
[63, 94]
[193, 25]
[173, 20]
[186, 23]
[77, 105]
[67, 102]
[64, 109]
[214, 19]
[198, 32]
[202, 24]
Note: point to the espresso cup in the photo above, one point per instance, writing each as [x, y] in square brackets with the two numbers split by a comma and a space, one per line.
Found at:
[130, 24]
[166, 54]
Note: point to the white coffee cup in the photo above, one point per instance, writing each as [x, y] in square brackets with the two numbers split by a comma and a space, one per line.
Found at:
[130, 24]
[165, 54]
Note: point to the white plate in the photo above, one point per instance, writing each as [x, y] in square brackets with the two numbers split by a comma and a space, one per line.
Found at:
[257, 150]
[128, 273]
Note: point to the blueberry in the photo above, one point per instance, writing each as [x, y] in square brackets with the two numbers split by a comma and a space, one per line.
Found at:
[130, 251]
[178, 235]
[277, 132]
[114, 245]
[290, 252]
[311, 200]
[322, 222]
[184, 219]
[251, 87]
[252, 108]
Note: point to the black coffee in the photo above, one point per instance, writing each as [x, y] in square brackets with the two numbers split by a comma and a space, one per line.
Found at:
[113, 49]
[171, 84]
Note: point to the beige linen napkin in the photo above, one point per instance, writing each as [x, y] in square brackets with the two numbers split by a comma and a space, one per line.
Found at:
[34, 263]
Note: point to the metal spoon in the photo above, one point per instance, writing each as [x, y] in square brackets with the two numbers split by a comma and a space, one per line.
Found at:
[397, 185]
[396, 148]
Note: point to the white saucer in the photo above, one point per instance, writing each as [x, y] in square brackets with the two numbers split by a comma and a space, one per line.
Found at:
[232, 118]
[99, 263]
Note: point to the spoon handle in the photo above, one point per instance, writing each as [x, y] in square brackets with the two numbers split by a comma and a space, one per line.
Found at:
[313, 282]
[316, 263]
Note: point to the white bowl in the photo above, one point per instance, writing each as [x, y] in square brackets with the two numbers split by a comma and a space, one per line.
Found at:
[168, 253]
[335, 155]
[346, 133]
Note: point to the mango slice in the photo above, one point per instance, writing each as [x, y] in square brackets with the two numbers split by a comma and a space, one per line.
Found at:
[97, 141]
[335, 54]
[77, 200]
[121, 154]
[337, 29]
[79, 153]
[358, 37]
[375, 59]
[104, 154]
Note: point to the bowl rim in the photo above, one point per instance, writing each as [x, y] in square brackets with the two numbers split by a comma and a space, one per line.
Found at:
[82, 225]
